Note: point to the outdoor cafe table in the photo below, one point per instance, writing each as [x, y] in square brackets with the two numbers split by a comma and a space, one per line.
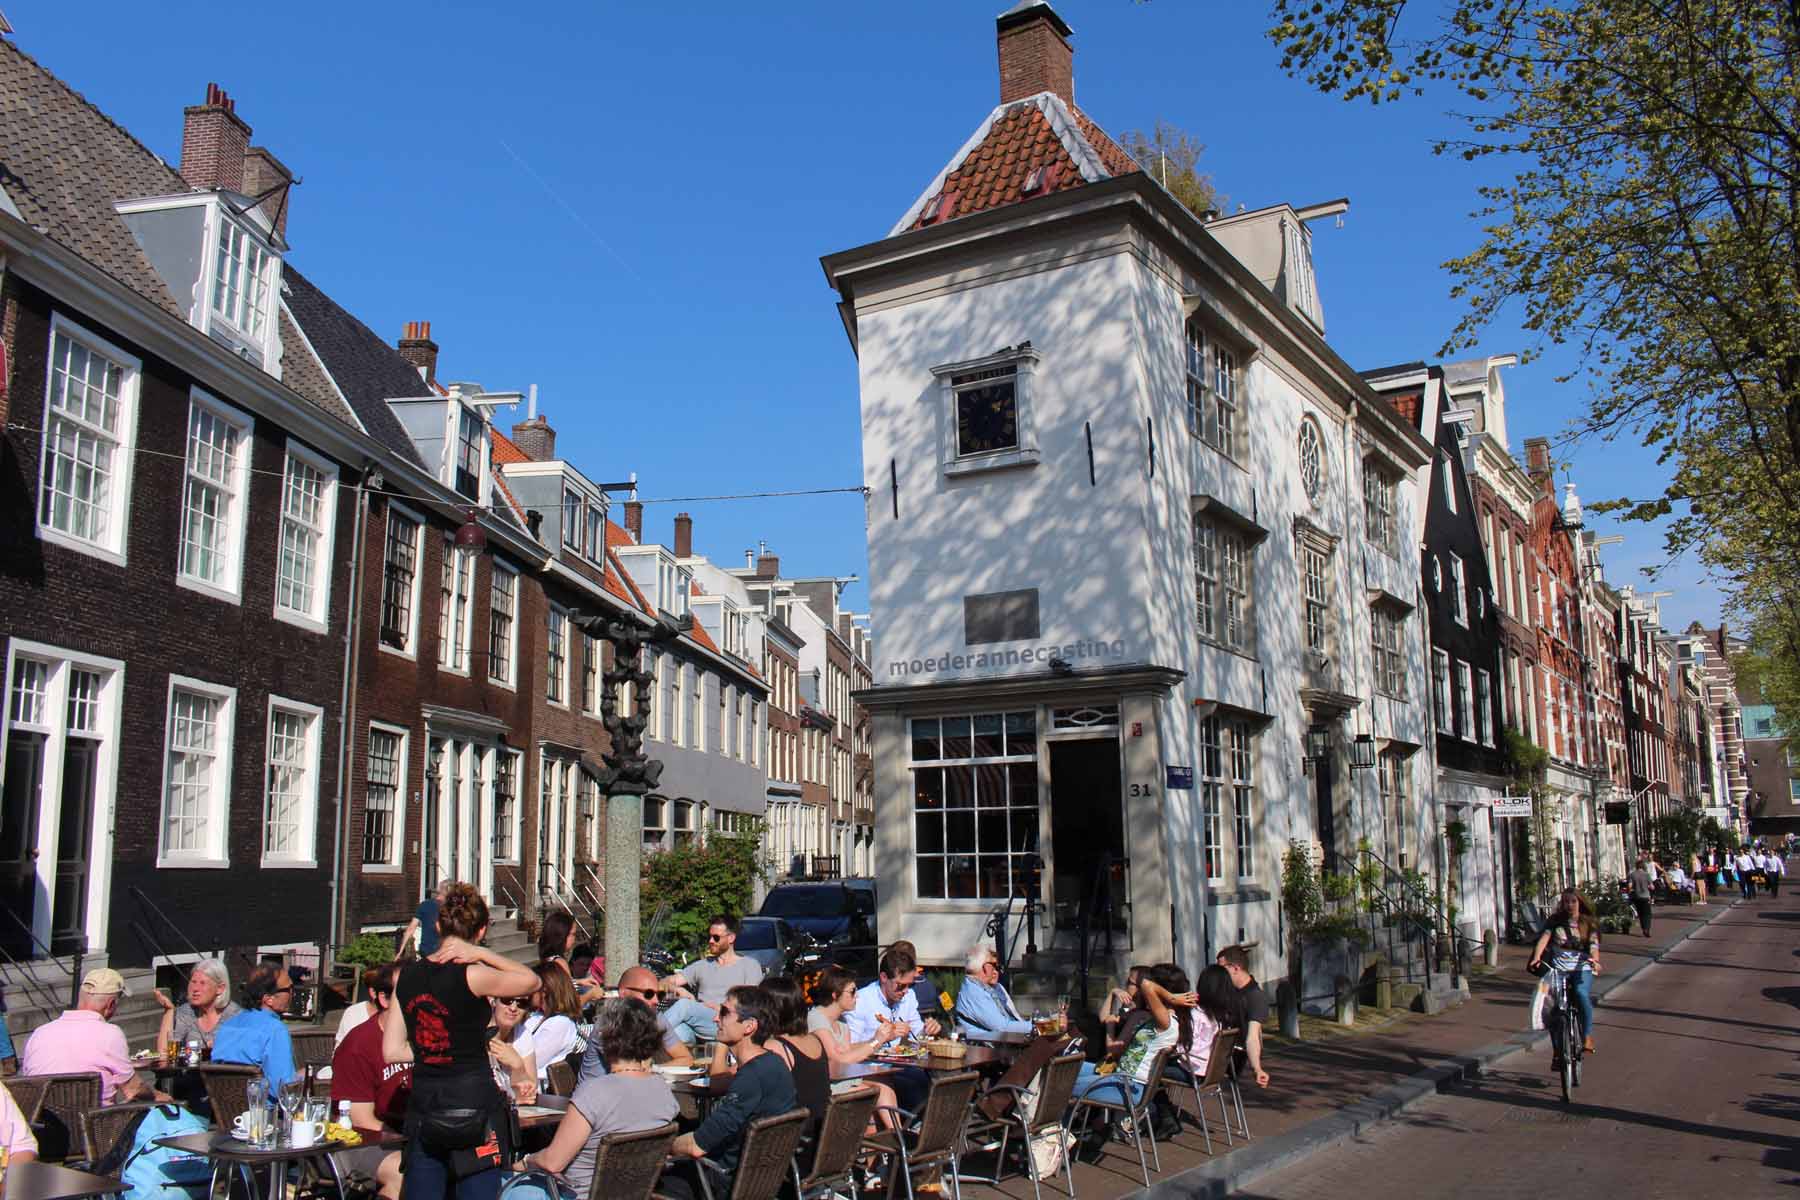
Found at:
[47, 1181]
[221, 1146]
[707, 1088]
[546, 1110]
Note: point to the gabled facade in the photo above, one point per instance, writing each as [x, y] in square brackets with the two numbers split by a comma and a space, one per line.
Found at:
[1119, 559]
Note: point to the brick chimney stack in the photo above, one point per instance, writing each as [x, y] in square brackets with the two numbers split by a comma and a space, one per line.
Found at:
[1537, 464]
[263, 171]
[535, 437]
[634, 520]
[416, 347]
[768, 566]
[684, 536]
[214, 140]
[1035, 55]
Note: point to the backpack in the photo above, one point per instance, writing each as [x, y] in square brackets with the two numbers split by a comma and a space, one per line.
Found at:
[153, 1172]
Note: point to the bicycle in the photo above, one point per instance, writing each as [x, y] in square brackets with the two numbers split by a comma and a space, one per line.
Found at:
[1564, 1018]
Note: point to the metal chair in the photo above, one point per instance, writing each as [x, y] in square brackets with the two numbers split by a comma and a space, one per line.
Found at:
[1055, 1088]
[1111, 1095]
[64, 1097]
[768, 1152]
[837, 1145]
[562, 1079]
[1213, 1083]
[627, 1165]
[932, 1139]
[104, 1129]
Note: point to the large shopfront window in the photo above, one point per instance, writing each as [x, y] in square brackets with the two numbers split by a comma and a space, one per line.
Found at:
[975, 784]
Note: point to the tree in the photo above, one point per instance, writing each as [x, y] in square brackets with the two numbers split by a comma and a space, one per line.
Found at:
[1170, 156]
[1652, 227]
[699, 881]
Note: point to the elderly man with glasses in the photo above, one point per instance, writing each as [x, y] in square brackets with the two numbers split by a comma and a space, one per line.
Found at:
[637, 984]
[702, 984]
[983, 1007]
[257, 1035]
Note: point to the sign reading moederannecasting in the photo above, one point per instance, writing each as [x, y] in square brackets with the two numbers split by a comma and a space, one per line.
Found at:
[1180, 778]
[1080, 655]
[1512, 806]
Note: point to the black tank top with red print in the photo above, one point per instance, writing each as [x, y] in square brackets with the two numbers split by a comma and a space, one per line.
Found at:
[446, 1022]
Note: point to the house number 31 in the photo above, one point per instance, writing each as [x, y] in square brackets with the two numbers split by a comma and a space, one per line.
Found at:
[1142, 789]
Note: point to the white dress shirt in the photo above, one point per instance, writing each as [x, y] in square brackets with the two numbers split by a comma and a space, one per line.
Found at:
[872, 1008]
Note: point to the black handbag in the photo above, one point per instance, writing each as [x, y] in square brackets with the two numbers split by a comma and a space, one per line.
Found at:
[456, 1113]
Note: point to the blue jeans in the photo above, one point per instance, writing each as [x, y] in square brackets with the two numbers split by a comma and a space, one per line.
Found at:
[1580, 985]
[1107, 1087]
[428, 1177]
[691, 1020]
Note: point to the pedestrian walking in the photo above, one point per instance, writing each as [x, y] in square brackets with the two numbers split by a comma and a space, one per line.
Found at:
[1639, 882]
[1745, 866]
[1777, 868]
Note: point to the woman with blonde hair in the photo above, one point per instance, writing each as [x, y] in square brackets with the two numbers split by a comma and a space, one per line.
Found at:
[1572, 940]
[208, 1004]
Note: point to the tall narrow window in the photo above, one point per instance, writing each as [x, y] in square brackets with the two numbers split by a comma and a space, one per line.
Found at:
[503, 610]
[1212, 787]
[1484, 713]
[1394, 771]
[1211, 392]
[470, 440]
[556, 657]
[1389, 657]
[240, 279]
[976, 817]
[456, 609]
[1459, 591]
[1378, 507]
[399, 571]
[1447, 473]
[1440, 692]
[1243, 796]
[1464, 701]
[590, 673]
[1222, 590]
[291, 784]
[212, 515]
[195, 798]
[506, 805]
[83, 491]
[1317, 567]
[381, 811]
[303, 571]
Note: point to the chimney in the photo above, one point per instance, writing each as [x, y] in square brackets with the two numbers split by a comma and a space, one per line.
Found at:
[262, 172]
[768, 566]
[634, 520]
[417, 348]
[214, 141]
[1537, 463]
[684, 536]
[1571, 506]
[535, 437]
[1034, 53]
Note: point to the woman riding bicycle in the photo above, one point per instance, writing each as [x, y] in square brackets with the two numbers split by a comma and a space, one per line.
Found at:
[1572, 939]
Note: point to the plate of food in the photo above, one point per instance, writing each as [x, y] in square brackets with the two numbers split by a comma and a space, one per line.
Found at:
[677, 1070]
[905, 1050]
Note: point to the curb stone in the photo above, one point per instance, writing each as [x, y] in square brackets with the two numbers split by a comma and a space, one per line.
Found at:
[1239, 1168]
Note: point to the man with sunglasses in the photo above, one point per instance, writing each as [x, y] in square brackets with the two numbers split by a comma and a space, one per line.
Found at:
[703, 984]
[637, 984]
[257, 1035]
[762, 1086]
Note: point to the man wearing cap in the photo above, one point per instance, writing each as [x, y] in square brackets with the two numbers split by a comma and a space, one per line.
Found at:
[85, 1039]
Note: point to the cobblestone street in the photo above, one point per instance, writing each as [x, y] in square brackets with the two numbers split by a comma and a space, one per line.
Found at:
[1694, 1090]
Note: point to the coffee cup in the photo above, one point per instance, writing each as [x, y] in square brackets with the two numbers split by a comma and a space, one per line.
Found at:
[306, 1133]
[240, 1123]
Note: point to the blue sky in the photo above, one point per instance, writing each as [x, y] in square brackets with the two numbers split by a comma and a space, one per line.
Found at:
[626, 204]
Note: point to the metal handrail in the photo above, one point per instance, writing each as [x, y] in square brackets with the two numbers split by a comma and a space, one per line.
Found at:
[147, 902]
[1099, 900]
[30, 984]
[569, 890]
[1422, 902]
[594, 877]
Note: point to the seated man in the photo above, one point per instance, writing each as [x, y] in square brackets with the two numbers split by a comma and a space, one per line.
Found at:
[703, 983]
[376, 1090]
[890, 998]
[257, 1035]
[762, 1087]
[982, 1005]
[637, 984]
[85, 1039]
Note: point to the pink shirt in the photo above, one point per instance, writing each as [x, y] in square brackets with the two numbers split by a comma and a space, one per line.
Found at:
[15, 1134]
[80, 1040]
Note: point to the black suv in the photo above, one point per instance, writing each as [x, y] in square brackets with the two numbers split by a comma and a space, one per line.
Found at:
[838, 913]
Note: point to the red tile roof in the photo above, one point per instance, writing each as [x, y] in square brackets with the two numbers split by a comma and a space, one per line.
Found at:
[507, 451]
[1021, 137]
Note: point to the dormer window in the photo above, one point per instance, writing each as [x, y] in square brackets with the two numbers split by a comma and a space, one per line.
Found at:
[241, 280]
[470, 442]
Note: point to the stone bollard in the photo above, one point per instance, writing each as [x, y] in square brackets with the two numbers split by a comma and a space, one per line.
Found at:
[1490, 949]
[1345, 1010]
[1384, 986]
[1287, 1007]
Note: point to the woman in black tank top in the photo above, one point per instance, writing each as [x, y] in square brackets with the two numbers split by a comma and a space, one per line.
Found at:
[803, 1052]
[438, 1022]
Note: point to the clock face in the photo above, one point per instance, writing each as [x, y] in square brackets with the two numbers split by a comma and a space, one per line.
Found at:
[1312, 460]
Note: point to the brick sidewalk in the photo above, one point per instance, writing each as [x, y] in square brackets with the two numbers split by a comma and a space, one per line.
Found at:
[1316, 1079]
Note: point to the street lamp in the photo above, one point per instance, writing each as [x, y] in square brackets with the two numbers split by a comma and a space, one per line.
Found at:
[1318, 742]
[1362, 752]
[471, 538]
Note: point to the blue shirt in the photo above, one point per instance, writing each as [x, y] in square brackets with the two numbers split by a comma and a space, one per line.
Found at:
[260, 1039]
[428, 932]
[983, 1009]
[873, 1007]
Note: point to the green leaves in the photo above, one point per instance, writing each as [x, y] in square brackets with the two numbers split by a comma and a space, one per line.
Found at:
[699, 881]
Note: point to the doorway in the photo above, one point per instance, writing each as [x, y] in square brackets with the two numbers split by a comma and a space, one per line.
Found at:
[1322, 770]
[1087, 832]
[74, 850]
[19, 806]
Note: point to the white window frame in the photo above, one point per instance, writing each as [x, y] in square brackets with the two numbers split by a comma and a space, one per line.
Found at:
[1381, 493]
[555, 675]
[236, 520]
[509, 660]
[216, 854]
[1224, 593]
[112, 548]
[456, 619]
[1484, 708]
[318, 617]
[591, 698]
[420, 525]
[1459, 591]
[1449, 475]
[1443, 718]
[1389, 651]
[1463, 693]
[392, 865]
[1023, 362]
[306, 849]
[263, 313]
[514, 825]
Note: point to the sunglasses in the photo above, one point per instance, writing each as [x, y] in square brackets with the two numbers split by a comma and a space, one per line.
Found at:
[514, 1002]
[279, 990]
[727, 1012]
[717, 937]
[646, 992]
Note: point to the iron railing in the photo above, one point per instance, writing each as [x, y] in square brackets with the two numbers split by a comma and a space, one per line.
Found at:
[1412, 913]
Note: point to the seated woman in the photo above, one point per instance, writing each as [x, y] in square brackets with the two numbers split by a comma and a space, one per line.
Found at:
[208, 1004]
[833, 996]
[551, 1025]
[554, 944]
[257, 1035]
[1218, 1006]
[628, 1098]
[1163, 992]
[510, 1052]
[803, 1052]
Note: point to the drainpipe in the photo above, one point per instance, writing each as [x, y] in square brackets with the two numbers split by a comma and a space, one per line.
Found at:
[347, 713]
[1359, 646]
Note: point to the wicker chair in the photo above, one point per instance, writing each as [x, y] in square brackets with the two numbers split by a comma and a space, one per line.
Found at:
[313, 1046]
[562, 1079]
[227, 1088]
[28, 1093]
[768, 1152]
[63, 1098]
[1110, 1096]
[838, 1144]
[627, 1165]
[1214, 1083]
[1055, 1088]
[931, 1140]
[102, 1131]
